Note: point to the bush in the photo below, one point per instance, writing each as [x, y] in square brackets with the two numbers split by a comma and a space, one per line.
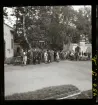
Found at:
[9, 60]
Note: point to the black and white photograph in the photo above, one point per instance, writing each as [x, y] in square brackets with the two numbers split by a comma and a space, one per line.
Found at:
[47, 52]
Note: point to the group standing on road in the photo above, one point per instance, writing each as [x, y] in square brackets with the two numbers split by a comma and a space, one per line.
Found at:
[49, 56]
[46, 56]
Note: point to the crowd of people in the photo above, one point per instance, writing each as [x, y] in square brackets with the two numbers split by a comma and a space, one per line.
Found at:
[36, 57]
[48, 56]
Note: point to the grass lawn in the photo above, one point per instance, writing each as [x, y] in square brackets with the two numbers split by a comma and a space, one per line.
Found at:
[84, 95]
[53, 92]
[45, 93]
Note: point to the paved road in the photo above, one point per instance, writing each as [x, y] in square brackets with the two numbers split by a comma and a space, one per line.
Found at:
[20, 79]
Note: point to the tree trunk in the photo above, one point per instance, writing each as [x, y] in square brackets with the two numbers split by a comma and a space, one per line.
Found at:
[25, 32]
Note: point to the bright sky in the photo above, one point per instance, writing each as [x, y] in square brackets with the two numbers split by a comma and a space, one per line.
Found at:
[12, 19]
[77, 7]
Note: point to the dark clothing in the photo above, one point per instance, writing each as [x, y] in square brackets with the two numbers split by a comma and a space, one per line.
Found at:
[34, 60]
[76, 56]
[39, 57]
[82, 53]
[34, 57]
[77, 49]
[89, 56]
[49, 56]
[28, 58]
[54, 55]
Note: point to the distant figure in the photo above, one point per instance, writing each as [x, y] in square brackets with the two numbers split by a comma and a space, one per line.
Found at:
[88, 50]
[77, 50]
[28, 57]
[54, 55]
[49, 56]
[72, 55]
[24, 58]
[39, 57]
[34, 57]
[45, 56]
[82, 53]
[57, 57]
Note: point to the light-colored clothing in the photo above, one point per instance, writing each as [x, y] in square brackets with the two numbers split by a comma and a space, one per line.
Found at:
[24, 58]
[72, 54]
[57, 57]
[45, 56]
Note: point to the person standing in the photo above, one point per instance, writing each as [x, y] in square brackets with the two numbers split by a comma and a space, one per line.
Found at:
[45, 56]
[28, 57]
[24, 58]
[34, 57]
[49, 56]
[88, 50]
[77, 50]
[57, 56]
[42, 55]
[39, 57]
[21, 56]
[54, 55]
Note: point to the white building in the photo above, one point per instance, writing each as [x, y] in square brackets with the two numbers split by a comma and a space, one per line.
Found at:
[8, 41]
[83, 47]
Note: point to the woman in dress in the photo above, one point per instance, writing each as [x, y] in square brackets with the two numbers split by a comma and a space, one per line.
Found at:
[24, 58]
[57, 57]
[45, 56]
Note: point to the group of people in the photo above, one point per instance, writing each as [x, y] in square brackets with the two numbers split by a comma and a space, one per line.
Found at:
[46, 56]
[78, 54]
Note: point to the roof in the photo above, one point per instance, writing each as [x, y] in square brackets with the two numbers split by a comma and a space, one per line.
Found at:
[9, 26]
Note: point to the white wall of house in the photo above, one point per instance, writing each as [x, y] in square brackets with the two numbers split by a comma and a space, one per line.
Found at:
[9, 45]
[83, 47]
[74, 46]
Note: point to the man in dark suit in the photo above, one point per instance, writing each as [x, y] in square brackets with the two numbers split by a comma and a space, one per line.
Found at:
[28, 57]
[34, 57]
[49, 57]
[54, 55]
[77, 50]
[39, 57]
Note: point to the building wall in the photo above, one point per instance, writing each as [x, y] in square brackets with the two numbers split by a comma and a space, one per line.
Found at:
[83, 46]
[8, 37]
[74, 46]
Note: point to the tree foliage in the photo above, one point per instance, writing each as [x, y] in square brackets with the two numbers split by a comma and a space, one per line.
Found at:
[56, 24]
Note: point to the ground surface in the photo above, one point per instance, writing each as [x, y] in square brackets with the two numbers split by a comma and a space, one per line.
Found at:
[19, 79]
[52, 92]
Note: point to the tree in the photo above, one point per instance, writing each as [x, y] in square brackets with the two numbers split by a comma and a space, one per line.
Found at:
[56, 24]
[5, 13]
[83, 22]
